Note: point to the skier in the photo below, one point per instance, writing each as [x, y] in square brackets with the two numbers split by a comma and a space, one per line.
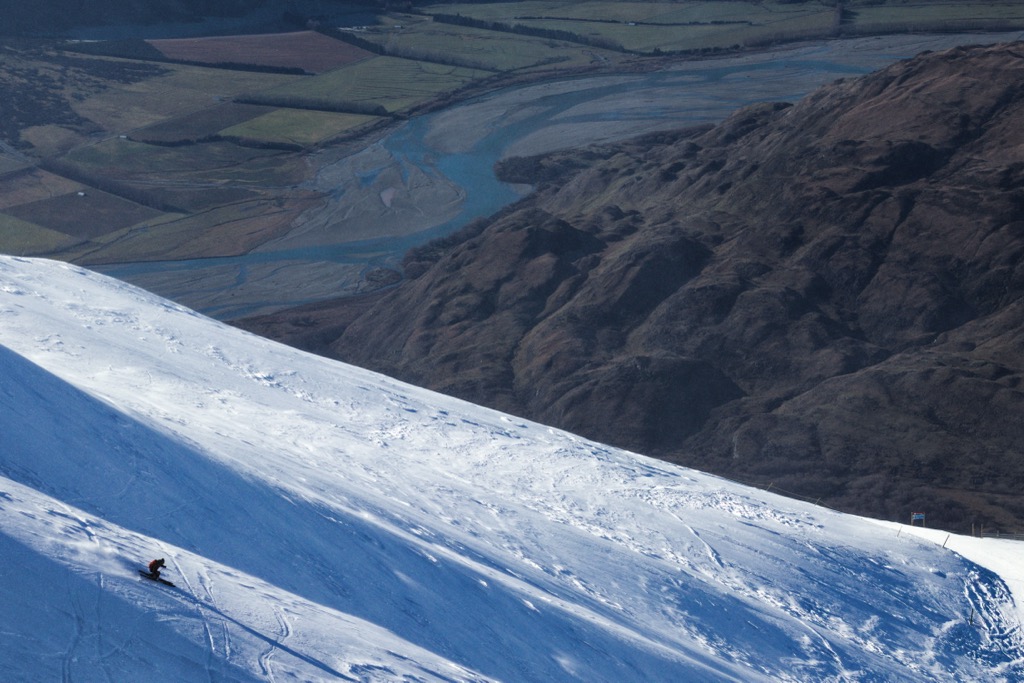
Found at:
[154, 568]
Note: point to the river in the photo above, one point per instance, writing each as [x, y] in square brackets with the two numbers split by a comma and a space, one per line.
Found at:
[434, 174]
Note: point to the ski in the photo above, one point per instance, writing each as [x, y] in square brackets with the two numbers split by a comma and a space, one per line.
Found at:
[155, 578]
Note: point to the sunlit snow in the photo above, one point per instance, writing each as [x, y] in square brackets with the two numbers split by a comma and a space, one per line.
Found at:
[323, 522]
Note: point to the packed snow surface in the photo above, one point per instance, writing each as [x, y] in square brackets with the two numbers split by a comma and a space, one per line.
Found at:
[323, 522]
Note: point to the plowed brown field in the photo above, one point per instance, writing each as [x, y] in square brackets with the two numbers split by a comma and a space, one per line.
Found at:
[308, 50]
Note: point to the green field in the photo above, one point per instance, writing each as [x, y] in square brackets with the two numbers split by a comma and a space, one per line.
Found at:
[10, 164]
[182, 90]
[212, 162]
[26, 239]
[302, 127]
[33, 184]
[871, 17]
[391, 83]
[695, 25]
[252, 123]
[416, 37]
[199, 125]
[83, 215]
[226, 230]
[658, 26]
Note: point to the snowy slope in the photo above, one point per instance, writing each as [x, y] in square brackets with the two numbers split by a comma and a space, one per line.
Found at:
[323, 522]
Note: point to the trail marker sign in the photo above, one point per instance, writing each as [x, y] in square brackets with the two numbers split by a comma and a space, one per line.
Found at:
[916, 517]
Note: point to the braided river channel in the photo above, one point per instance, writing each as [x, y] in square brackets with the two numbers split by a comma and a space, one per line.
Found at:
[434, 174]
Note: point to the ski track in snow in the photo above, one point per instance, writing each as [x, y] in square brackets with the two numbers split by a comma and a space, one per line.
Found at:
[322, 522]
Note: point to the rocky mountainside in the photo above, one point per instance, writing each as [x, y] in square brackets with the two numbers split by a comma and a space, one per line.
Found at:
[823, 297]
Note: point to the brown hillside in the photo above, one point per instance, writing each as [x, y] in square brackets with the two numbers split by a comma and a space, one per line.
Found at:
[824, 297]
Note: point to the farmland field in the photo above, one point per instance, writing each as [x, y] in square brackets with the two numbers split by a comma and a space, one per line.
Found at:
[33, 186]
[301, 127]
[211, 162]
[745, 28]
[647, 27]
[26, 239]
[200, 124]
[10, 164]
[307, 50]
[650, 26]
[226, 230]
[183, 89]
[196, 142]
[83, 215]
[932, 15]
[476, 47]
[394, 83]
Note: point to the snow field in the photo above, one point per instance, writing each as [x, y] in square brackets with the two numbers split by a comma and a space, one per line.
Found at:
[322, 522]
